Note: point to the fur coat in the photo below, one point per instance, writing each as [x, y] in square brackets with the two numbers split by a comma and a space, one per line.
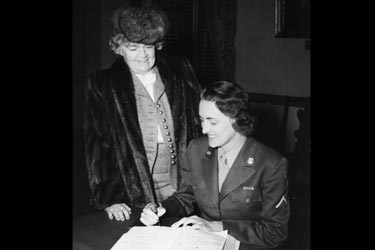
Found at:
[118, 170]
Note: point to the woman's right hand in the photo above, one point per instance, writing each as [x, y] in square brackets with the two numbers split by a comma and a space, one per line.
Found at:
[151, 213]
[119, 211]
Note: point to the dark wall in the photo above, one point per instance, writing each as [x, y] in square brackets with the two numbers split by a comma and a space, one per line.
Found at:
[86, 59]
[86, 47]
[265, 64]
[107, 7]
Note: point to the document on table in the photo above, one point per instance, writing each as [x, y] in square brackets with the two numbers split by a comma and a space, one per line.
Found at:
[231, 243]
[167, 238]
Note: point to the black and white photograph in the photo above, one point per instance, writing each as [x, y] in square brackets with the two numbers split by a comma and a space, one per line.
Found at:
[191, 124]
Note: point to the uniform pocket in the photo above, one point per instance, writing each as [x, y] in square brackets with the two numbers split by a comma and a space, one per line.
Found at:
[245, 195]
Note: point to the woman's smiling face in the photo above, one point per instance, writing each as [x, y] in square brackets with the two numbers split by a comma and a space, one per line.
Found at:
[215, 124]
[139, 57]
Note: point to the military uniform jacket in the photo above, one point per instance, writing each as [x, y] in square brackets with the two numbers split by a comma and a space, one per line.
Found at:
[252, 204]
[116, 160]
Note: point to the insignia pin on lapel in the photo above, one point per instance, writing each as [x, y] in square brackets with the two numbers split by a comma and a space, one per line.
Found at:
[250, 160]
[208, 153]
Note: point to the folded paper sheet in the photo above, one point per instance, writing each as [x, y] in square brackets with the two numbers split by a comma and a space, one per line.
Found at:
[231, 243]
[167, 238]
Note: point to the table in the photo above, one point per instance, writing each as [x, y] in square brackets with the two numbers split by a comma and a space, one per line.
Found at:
[95, 231]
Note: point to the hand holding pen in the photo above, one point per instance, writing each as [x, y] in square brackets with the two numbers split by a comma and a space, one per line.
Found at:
[151, 213]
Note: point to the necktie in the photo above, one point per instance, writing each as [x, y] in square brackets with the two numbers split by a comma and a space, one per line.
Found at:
[223, 169]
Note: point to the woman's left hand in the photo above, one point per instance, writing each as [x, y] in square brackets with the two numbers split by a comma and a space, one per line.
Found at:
[200, 224]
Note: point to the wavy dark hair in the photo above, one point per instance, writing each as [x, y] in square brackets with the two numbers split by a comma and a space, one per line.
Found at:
[141, 22]
[233, 101]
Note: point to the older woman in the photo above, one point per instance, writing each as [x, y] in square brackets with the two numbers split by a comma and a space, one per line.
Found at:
[141, 114]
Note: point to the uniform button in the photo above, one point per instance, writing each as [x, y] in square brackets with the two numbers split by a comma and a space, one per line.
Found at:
[170, 145]
[160, 112]
[158, 105]
[163, 120]
[173, 162]
[247, 200]
[173, 156]
[165, 127]
[172, 151]
[167, 133]
[169, 139]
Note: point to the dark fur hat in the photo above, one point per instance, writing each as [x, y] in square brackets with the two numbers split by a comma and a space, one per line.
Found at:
[144, 23]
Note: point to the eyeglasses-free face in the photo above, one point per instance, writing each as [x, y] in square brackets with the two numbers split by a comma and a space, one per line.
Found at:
[139, 57]
[217, 126]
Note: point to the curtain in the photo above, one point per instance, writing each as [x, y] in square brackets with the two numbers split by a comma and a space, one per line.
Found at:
[221, 16]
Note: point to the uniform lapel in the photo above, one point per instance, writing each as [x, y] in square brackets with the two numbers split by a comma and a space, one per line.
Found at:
[210, 174]
[241, 170]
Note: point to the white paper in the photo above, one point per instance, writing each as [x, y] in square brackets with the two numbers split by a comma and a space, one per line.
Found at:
[167, 238]
[231, 243]
[191, 239]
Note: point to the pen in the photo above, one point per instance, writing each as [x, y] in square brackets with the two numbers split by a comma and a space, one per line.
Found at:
[155, 210]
